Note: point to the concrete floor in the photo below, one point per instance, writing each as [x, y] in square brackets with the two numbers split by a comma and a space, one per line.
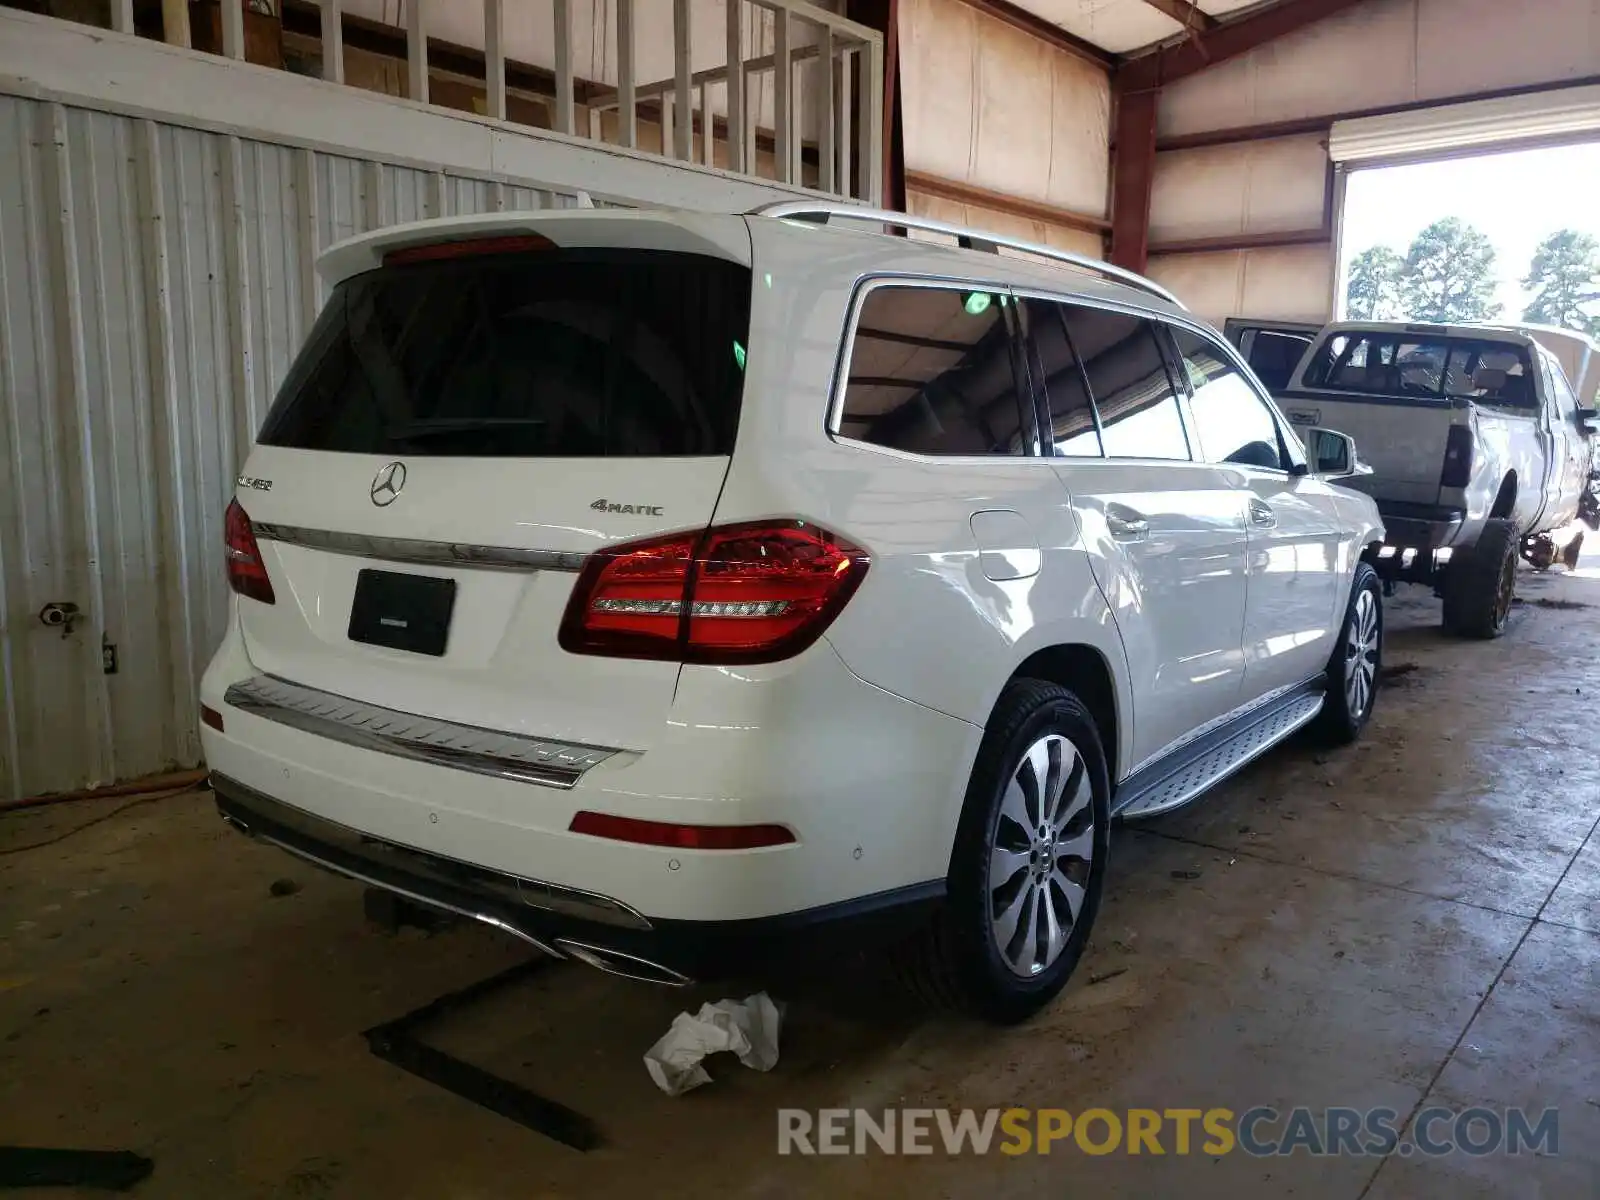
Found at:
[1412, 920]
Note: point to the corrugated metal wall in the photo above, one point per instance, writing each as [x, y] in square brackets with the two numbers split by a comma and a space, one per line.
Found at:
[988, 105]
[154, 282]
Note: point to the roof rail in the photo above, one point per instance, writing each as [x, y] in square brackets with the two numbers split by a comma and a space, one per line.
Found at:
[822, 211]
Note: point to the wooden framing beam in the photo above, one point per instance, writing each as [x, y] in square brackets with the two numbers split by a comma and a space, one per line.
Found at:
[1187, 13]
[1032, 210]
[1151, 72]
[494, 58]
[416, 52]
[1133, 173]
[332, 40]
[1243, 241]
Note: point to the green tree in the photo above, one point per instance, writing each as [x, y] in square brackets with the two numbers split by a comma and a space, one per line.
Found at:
[1374, 290]
[1449, 275]
[1564, 278]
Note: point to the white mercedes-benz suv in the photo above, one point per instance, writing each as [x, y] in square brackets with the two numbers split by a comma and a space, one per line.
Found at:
[665, 588]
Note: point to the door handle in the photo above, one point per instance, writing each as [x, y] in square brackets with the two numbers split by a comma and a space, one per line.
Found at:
[1127, 524]
[1261, 514]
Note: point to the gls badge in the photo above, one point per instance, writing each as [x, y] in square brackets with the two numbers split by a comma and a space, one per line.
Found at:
[640, 510]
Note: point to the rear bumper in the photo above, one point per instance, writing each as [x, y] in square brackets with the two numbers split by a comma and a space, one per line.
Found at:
[1420, 526]
[870, 785]
[568, 922]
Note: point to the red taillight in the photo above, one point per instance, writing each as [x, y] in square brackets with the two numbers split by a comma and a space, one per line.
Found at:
[247, 574]
[681, 837]
[210, 716]
[467, 248]
[747, 593]
[1457, 471]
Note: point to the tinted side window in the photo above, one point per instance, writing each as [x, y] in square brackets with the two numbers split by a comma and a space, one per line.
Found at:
[931, 372]
[1071, 411]
[1231, 423]
[1274, 356]
[1128, 379]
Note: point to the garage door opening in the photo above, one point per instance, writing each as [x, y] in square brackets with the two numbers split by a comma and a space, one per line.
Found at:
[1509, 236]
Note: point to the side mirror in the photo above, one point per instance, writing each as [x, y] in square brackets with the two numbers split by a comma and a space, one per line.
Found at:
[1587, 418]
[1332, 455]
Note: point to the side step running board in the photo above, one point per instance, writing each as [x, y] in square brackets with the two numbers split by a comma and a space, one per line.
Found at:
[1182, 776]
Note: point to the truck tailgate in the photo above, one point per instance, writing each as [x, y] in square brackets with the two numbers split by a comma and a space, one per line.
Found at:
[1402, 438]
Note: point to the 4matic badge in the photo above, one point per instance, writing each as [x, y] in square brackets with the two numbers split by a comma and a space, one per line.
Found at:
[642, 510]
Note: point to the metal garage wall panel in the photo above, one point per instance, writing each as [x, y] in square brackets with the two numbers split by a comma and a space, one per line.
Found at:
[155, 282]
[1294, 283]
[1241, 188]
[1391, 52]
[158, 234]
[45, 704]
[988, 105]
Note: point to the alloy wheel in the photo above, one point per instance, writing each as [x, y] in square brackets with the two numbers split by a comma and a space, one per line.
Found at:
[1041, 850]
[1361, 655]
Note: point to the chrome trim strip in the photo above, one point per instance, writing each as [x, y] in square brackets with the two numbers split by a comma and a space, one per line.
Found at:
[416, 551]
[603, 959]
[423, 739]
[417, 897]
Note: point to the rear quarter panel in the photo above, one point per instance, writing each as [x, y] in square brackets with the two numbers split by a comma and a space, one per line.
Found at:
[927, 624]
[1505, 445]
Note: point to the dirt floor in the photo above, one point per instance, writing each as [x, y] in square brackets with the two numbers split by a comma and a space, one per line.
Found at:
[1413, 921]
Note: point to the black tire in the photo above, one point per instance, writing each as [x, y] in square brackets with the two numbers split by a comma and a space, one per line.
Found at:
[955, 962]
[1480, 585]
[1346, 709]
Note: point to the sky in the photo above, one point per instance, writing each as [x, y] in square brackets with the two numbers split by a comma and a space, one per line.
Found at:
[1517, 199]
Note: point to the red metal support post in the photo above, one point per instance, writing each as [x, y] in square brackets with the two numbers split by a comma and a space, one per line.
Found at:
[1133, 170]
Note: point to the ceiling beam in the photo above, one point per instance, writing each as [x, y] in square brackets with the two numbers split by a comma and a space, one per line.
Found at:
[1187, 13]
[1021, 18]
[1151, 72]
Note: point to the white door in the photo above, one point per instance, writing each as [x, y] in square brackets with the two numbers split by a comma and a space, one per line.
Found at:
[1165, 534]
[1294, 604]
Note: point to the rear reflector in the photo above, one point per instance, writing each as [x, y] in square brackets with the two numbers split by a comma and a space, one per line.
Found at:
[210, 716]
[467, 248]
[754, 592]
[681, 837]
[247, 574]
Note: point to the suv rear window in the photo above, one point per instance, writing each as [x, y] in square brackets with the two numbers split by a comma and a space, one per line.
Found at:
[1400, 364]
[549, 354]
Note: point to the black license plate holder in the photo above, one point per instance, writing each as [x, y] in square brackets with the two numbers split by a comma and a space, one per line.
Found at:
[402, 612]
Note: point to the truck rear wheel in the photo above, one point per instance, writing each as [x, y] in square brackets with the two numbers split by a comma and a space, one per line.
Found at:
[1481, 584]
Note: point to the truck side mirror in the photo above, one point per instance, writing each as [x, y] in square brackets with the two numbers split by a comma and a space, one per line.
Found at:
[1587, 418]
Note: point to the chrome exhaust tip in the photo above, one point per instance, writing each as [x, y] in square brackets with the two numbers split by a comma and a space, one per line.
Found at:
[629, 966]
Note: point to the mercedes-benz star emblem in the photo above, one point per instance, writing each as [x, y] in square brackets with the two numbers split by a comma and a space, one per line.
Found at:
[386, 484]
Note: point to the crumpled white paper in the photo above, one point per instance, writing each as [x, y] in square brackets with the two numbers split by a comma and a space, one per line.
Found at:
[748, 1027]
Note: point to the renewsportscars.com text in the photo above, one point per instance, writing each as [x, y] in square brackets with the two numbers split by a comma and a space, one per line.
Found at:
[1259, 1132]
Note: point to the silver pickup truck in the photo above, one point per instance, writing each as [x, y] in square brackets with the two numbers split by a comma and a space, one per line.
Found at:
[1479, 447]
